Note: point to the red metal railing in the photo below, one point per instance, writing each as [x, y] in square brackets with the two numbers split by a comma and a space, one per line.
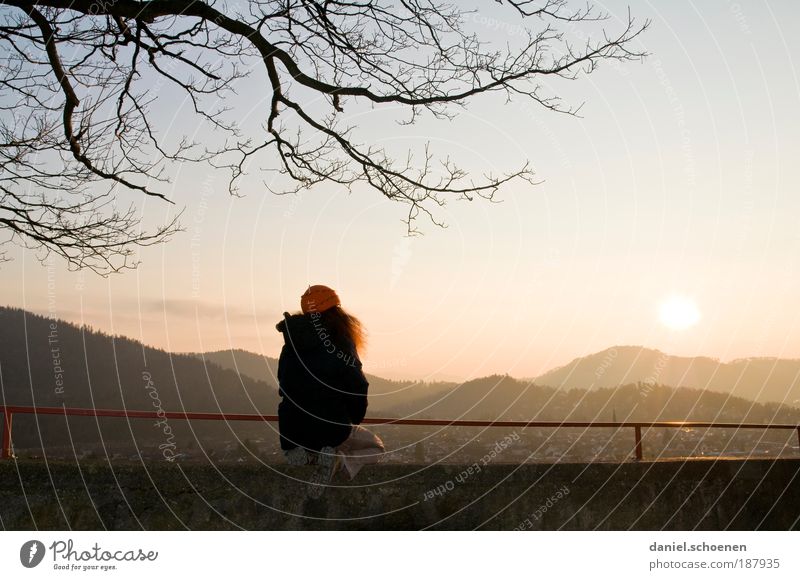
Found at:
[9, 411]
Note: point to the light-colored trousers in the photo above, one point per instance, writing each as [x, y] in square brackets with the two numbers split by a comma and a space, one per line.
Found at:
[361, 448]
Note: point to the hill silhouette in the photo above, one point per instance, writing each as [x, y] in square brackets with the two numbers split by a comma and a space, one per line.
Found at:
[384, 395]
[506, 398]
[45, 362]
[759, 379]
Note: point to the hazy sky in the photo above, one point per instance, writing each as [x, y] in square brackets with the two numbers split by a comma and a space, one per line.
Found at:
[680, 179]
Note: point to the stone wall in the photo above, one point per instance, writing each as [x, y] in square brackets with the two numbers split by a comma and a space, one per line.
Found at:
[674, 495]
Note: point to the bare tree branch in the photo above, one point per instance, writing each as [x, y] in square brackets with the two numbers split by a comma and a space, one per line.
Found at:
[75, 96]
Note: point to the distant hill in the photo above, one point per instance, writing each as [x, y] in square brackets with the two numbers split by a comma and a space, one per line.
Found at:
[506, 398]
[384, 395]
[759, 379]
[46, 362]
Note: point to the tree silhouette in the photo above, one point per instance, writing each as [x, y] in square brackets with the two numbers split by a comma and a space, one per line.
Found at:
[76, 91]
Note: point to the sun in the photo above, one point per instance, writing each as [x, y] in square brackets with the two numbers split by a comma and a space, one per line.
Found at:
[679, 313]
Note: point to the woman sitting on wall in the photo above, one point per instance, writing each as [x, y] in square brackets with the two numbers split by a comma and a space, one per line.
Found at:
[323, 389]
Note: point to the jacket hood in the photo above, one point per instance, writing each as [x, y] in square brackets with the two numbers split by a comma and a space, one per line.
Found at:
[299, 331]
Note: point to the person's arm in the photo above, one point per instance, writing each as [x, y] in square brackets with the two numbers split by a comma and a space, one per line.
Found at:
[281, 373]
[281, 327]
[356, 385]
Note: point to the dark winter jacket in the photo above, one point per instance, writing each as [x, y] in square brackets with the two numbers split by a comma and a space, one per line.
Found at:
[323, 389]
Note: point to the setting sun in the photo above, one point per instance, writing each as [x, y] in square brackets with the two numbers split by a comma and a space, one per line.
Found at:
[679, 313]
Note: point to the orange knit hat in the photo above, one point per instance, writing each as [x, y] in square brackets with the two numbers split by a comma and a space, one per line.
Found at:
[318, 299]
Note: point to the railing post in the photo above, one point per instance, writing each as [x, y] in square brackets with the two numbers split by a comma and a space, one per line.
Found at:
[5, 452]
[638, 434]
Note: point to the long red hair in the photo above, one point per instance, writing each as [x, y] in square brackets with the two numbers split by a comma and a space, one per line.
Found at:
[343, 325]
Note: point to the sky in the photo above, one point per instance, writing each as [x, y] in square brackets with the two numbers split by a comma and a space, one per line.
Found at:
[677, 185]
